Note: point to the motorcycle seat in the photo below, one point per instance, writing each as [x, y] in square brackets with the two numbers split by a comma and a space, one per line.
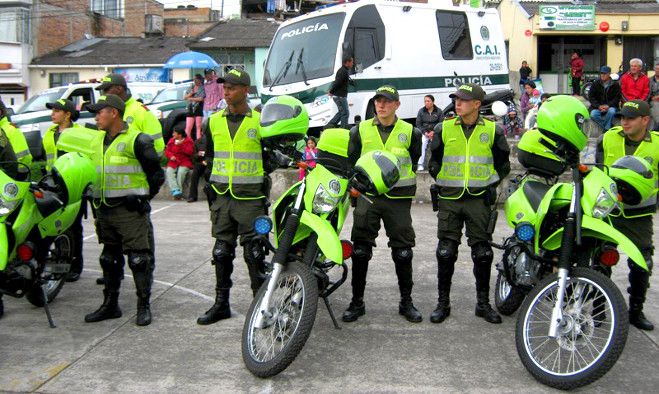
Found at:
[535, 192]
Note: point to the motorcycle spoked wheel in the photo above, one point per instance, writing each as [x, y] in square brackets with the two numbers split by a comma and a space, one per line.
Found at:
[60, 250]
[592, 339]
[270, 350]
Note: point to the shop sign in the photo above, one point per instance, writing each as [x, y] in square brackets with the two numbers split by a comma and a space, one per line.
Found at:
[567, 17]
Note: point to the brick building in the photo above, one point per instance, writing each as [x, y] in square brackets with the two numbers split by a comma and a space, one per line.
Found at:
[188, 21]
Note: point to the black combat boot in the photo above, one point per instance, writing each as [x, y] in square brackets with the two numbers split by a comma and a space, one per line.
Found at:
[637, 318]
[143, 310]
[143, 281]
[444, 275]
[255, 267]
[109, 309]
[219, 311]
[357, 307]
[639, 282]
[484, 309]
[406, 307]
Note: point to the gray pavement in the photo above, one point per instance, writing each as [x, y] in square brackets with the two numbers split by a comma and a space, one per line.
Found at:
[379, 353]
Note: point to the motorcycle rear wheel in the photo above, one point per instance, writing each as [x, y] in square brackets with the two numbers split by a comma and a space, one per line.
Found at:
[507, 298]
[270, 350]
[590, 342]
[61, 250]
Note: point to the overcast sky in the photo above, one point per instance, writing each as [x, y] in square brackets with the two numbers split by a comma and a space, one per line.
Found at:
[230, 6]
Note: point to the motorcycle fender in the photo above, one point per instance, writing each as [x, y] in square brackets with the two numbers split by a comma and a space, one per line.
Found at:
[328, 240]
[595, 228]
[60, 220]
[4, 247]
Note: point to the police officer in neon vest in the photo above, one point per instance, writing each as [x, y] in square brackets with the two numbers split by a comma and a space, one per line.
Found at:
[469, 159]
[129, 176]
[136, 115]
[63, 115]
[239, 185]
[16, 138]
[634, 138]
[385, 132]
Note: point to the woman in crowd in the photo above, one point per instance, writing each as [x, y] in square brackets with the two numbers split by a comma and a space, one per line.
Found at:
[195, 115]
[179, 152]
[429, 115]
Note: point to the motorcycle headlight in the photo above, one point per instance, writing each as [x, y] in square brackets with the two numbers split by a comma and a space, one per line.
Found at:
[604, 204]
[323, 202]
[6, 207]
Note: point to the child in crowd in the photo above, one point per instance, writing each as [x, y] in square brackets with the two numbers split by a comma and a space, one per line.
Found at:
[310, 155]
[512, 123]
[536, 100]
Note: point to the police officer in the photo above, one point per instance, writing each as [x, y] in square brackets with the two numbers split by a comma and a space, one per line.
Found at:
[6, 157]
[635, 222]
[385, 132]
[238, 179]
[16, 138]
[122, 207]
[63, 115]
[469, 159]
[136, 115]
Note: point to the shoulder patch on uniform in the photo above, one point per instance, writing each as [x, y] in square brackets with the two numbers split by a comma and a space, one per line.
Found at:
[121, 147]
[129, 120]
[485, 138]
[251, 133]
[402, 137]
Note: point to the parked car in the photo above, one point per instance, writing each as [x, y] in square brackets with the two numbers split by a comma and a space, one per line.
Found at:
[33, 118]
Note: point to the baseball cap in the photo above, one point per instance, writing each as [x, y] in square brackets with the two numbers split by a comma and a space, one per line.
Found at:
[208, 71]
[388, 92]
[236, 77]
[111, 80]
[65, 105]
[605, 70]
[634, 109]
[109, 100]
[469, 91]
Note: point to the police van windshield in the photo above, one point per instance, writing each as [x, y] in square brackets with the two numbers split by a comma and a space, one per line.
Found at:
[304, 48]
[38, 101]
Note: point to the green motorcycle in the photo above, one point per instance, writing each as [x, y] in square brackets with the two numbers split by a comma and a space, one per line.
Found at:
[306, 221]
[573, 320]
[36, 245]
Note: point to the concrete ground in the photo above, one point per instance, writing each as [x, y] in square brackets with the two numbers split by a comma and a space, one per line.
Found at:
[381, 352]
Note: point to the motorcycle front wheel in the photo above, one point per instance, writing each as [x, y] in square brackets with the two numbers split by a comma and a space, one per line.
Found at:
[59, 251]
[590, 339]
[507, 297]
[269, 350]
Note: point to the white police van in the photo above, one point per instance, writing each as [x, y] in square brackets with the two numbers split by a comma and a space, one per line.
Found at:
[420, 47]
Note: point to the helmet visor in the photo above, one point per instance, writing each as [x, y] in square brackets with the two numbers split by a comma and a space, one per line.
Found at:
[634, 164]
[275, 112]
[390, 174]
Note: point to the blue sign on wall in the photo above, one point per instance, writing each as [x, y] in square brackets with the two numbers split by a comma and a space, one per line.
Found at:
[144, 74]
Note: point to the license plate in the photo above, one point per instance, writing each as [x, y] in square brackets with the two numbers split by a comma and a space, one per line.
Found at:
[57, 268]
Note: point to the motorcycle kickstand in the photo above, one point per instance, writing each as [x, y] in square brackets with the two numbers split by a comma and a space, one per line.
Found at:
[329, 309]
[45, 306]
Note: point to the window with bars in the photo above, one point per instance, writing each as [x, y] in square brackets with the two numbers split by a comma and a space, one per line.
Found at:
[230, 61]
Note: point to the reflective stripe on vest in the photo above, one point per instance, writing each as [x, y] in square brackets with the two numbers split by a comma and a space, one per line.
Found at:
[614, 148]
[398, 143]
[121, 173]
[236, 160]
[143, 120]
[476, 172]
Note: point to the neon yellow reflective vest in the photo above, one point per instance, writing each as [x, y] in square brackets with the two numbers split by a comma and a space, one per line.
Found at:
[141, 119]
[398, 143]
[467, 164]
[120, 173]
[614, 148]
[237, 161]
[18, 141]
[49, 145]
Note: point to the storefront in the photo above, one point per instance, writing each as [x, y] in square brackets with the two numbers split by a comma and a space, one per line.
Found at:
[545, 34]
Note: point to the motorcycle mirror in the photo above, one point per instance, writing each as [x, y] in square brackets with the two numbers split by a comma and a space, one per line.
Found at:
[499, 108]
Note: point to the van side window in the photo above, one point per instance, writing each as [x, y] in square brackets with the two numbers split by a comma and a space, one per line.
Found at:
[365, 38]
[454, 35]
[81, 96]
